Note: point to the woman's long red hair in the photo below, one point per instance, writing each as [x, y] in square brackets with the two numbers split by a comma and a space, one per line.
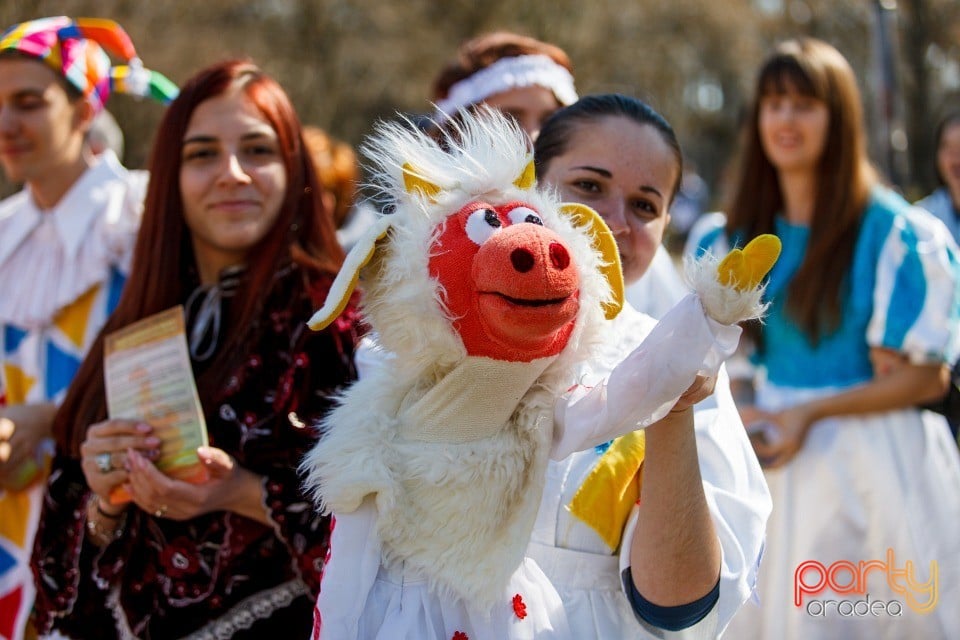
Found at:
[163, 264]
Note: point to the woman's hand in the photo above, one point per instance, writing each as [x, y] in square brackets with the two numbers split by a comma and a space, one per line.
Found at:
[783, 436]
[701, 388]
[103, 454]
[22, 429]
[229, 487]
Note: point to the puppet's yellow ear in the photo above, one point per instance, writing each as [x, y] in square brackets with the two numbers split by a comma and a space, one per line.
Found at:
[744, 269]
[604, 242]
[528, 178]
[346, 280]
[413, 181]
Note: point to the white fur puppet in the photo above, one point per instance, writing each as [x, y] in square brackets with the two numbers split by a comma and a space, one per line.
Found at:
[484, 293]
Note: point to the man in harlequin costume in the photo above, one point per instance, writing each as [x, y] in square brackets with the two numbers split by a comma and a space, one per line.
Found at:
[484, 293]
[65, 243]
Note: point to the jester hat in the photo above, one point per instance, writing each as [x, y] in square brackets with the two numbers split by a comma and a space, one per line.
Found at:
[78, 50]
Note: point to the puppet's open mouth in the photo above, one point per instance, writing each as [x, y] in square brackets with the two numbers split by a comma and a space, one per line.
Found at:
[537, 315]
[533, 303]
[533, 325]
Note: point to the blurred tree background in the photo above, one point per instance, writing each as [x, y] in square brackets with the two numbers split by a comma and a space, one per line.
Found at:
[346, 63]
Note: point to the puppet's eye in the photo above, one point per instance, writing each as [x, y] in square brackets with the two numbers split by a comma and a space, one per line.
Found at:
[482, 224]
[524, 214]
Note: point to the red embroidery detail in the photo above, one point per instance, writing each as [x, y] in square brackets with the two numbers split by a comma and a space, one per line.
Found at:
[181, 558]
[519, 607]
[460, 635]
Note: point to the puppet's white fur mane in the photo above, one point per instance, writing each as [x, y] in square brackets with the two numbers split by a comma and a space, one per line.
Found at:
[458, 513]
[481, 161]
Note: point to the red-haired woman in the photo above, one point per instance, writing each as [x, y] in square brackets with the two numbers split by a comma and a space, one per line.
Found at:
[235, 231]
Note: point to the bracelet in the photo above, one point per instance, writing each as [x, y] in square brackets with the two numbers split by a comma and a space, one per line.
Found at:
[105, 534]
[110, 516]
[97, 531]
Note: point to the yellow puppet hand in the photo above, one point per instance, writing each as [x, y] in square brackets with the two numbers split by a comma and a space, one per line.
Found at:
[744, 269]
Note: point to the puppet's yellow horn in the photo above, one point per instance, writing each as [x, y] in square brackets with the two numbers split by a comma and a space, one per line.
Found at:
[414, 181]
[528, 178]
[349, 274]
[604, 242]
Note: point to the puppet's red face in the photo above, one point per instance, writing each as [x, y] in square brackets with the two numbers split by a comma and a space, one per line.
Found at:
[510, 284]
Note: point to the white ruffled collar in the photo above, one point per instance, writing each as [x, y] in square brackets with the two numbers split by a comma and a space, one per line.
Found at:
[72, 216]
[49, 258]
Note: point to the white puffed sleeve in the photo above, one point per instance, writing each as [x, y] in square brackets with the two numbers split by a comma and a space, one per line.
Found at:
[916, 299]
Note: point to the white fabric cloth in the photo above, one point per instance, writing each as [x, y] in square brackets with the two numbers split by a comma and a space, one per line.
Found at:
[585, 571]
[883, 481]
[401, 606]
[505, 74]
[54, 256]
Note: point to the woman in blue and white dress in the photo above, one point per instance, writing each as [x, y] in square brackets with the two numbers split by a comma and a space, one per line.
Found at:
[862, 318]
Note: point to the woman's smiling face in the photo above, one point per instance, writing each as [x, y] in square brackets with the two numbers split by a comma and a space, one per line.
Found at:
[628, 173]
[232, 180]
[793, 130]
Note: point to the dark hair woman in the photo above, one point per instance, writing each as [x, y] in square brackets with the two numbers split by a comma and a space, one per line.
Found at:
[862, 317]
[617, 155]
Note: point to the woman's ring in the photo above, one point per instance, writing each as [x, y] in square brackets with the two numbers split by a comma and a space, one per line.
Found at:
[104, 461]
[162, 509]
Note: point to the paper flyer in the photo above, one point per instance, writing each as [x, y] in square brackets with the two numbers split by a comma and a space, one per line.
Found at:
[148, 377]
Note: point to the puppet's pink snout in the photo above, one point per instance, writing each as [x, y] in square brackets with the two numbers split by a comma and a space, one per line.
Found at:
[526, 262]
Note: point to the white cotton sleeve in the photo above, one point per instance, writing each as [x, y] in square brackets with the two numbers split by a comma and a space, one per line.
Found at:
[121, 221]
[348, 573]
[915, 299]
[646, 384]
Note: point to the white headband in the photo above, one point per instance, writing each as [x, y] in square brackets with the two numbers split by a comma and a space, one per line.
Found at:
[504, 74]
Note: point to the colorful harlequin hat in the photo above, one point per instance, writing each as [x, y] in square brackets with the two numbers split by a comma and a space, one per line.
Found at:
[78, 50]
